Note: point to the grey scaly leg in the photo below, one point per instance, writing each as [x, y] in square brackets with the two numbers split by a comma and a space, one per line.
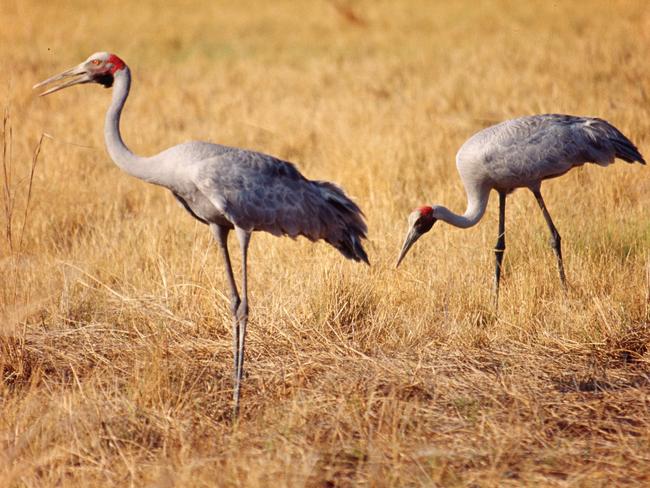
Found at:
[555, 236]
[221, 236]
[242, 313]
[500, 247]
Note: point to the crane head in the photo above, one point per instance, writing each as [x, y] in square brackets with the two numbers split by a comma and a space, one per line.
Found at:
[420, 222]
[98, 68]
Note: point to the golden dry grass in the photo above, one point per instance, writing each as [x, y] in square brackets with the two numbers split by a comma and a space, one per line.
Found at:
[115, 330]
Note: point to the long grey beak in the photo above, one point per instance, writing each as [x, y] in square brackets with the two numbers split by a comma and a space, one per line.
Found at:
[412, 236]
[78, 74]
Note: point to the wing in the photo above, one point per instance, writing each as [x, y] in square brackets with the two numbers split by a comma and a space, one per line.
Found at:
[544, 146]
[259, 192]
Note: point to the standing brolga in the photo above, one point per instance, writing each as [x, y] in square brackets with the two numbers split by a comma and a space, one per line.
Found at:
[228, 188]
[521, 153]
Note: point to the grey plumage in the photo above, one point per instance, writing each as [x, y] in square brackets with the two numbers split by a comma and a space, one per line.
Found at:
[228, 189]
[521, 153]
[258, 192]
[524, 151]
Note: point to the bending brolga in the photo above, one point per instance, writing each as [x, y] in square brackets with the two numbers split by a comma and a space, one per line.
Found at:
[228, 188]
[521, 153]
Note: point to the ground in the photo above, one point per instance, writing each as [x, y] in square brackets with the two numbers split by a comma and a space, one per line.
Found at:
[114, 319]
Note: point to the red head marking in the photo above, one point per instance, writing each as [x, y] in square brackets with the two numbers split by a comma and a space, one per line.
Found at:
[117, 63]
[426, 210]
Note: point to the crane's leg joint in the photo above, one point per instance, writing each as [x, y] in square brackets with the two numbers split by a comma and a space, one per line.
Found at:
[234, 304]
[242, 310]
[556, 241]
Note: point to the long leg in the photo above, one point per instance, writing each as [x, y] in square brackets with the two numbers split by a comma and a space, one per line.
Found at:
[500, 247]
[221, 236]
[555, 236]
[242, 312]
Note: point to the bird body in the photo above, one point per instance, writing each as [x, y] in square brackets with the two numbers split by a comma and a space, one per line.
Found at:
[521, 153]
[257, 192]
[228, 189]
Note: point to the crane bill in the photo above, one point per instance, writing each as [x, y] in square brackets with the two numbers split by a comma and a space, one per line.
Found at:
[78, 72]
[412, 236]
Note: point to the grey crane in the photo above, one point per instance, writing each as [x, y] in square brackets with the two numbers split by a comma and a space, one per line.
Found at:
[227, 188]
[521, 153]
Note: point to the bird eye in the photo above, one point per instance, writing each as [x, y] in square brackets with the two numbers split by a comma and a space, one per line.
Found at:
[96, 62]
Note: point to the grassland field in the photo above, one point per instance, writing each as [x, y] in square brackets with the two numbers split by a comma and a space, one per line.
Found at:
[115, 338]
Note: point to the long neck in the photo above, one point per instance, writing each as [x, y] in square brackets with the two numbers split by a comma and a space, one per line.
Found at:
[139, 167]
[477, 200]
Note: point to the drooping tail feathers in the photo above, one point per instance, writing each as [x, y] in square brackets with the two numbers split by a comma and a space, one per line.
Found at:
[623, 148]
[348, 228]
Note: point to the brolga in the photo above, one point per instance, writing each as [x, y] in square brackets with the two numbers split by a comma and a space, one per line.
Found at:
[521, 153]
[227, 189]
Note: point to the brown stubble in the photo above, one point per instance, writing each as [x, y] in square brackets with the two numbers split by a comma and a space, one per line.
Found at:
[115, 338]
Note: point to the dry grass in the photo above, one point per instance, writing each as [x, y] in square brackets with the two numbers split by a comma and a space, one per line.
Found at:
[114, 322]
